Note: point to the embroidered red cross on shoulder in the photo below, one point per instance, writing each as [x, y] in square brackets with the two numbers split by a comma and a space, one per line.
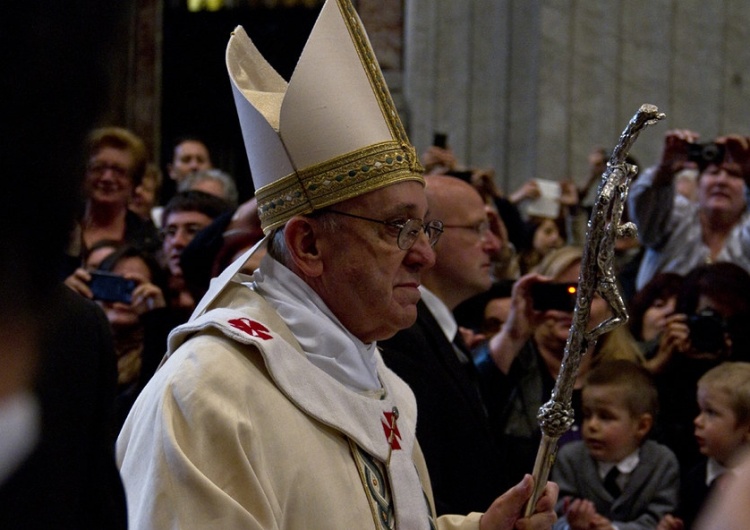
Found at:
[251, 327]
[391, 429]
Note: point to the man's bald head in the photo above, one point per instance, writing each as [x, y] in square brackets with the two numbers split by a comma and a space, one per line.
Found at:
[464, 253]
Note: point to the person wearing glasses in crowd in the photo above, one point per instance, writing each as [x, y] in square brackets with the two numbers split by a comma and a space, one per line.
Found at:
[115, 167]
[273, 407]
[437, 364]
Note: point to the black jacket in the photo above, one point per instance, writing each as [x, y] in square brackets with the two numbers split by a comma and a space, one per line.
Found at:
[453, 428]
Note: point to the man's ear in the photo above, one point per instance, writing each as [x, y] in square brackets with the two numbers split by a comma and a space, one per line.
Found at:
[301, 237]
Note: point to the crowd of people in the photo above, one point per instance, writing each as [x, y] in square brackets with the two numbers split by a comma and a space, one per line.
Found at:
[685, 281]
[381, 360]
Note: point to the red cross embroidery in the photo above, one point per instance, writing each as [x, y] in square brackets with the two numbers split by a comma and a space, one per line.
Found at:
[391, 429]
[251, 327]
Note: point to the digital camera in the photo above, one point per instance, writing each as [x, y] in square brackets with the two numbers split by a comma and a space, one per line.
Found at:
[558, 296]
[706, 154]
[707, 331]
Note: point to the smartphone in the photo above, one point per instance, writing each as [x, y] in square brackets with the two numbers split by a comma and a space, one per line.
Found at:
[440, 140]
[558, 296]
[109, 287]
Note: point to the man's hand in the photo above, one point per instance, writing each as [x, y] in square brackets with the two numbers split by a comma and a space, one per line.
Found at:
[507, 510]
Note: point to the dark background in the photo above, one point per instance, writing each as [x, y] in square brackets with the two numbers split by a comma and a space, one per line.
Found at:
[196, 92]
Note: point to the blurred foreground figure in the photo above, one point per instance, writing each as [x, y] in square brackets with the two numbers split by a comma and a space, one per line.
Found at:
[56, 470]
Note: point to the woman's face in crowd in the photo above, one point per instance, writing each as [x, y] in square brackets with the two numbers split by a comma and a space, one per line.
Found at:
[109, 179]
[721, 189]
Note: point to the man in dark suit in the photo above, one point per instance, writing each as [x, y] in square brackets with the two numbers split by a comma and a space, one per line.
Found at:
[453, 425]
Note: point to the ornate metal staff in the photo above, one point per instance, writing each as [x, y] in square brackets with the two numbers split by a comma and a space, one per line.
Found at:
[597, 276]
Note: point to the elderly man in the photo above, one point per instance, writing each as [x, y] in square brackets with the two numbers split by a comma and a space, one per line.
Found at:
[453, 426]
[680, 234]
[274, 408]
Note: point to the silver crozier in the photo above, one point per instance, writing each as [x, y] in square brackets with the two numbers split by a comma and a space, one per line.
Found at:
[597, 276]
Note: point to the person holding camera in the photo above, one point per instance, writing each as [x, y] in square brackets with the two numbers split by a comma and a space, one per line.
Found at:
[709, 326]
[679, 234]
[129, 287]
[524, 359]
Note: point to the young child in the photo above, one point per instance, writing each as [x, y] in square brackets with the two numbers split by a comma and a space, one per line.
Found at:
[615, 477]
[722, 429]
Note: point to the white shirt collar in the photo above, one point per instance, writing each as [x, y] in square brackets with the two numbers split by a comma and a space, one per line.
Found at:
[324, 339]
[440, 311]
[625, 466]
[445, 320]
[713, 470]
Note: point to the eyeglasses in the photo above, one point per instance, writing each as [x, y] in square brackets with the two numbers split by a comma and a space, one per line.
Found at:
[408, 231]
[481, 228]
[99, 168]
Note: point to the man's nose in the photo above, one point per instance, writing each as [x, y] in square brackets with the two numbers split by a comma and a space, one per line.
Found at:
[422, 252]
[491, 243]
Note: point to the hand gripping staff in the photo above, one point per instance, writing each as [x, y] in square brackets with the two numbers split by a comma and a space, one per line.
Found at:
[597, 276]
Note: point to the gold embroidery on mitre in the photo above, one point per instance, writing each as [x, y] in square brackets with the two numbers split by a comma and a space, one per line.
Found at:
[336, 180]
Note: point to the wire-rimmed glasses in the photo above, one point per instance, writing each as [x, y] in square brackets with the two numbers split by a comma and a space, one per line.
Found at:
[408, 231]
